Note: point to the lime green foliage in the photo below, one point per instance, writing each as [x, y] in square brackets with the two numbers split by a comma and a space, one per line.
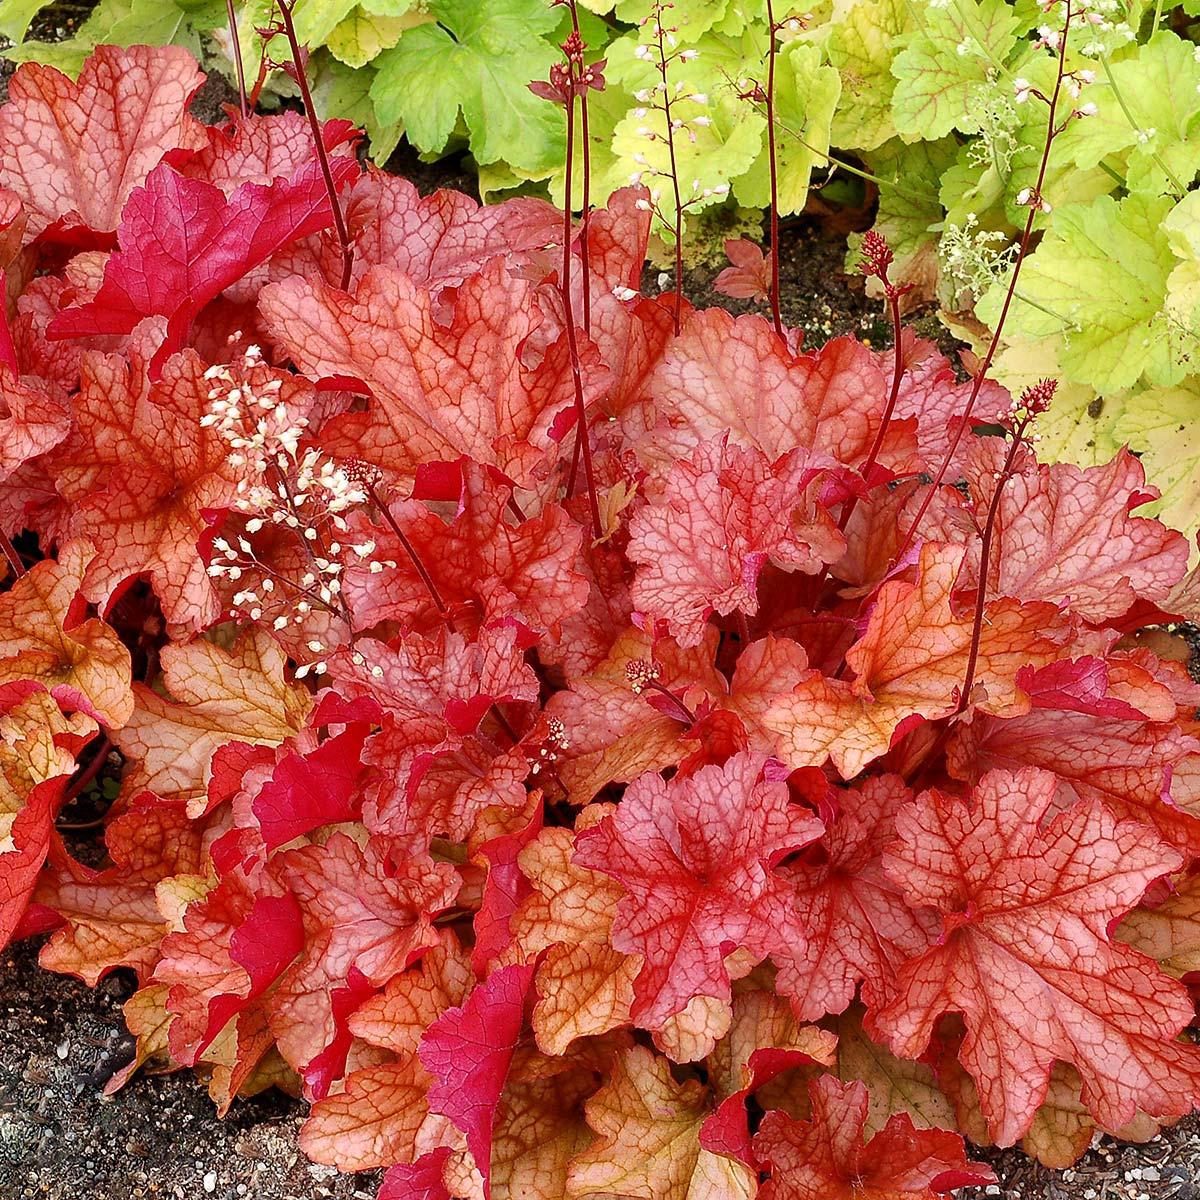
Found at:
[477, 59]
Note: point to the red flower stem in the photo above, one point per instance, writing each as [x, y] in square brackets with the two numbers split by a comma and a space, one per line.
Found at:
[774, 164]
[985, 551]
[413, 556]
[10, 552]
[662, 70]
[582, 448]
[985, 366]
[658, 687]
[339, 220]
[237, 59]
[586, 198]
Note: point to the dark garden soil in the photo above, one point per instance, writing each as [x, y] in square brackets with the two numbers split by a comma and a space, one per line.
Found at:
[60, 1041]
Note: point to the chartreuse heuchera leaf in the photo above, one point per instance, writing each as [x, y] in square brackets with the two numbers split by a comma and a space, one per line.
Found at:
[759, 833]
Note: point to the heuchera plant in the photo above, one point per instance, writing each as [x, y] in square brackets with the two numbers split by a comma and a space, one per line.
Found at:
[544, 828]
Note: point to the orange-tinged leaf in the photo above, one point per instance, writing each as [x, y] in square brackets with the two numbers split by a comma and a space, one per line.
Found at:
[163, 471]
[691, 1035]
[1170, 932]
[440, 390]
[397, 1018]
[648, 1145]
[113, 918]
[374, 1122]
[1026, 957]
[539, 1130]
[585, 989]
[1126, 765]
[239, 694]
[82, 664]
[614, 734]
[911, 661]
[894, 1085]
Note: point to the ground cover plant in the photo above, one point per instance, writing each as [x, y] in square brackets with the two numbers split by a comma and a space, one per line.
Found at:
[585, 744]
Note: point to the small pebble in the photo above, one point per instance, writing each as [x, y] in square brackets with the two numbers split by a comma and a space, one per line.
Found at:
[62, 1050]
[210, 1181]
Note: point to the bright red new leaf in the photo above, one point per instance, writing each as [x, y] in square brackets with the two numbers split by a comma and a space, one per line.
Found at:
[468, 1051]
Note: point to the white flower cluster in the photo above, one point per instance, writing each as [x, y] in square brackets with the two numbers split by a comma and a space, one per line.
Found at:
[283, 485]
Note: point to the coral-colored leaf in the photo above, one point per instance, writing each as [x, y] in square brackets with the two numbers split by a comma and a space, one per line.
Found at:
[73, 151]
[1063, 533]
[439, 391]
[724, 374]
[34, 417]
[484, 567]
[163, 471]
[825, 1159]
[183, 243]
[1133, 768]
[468, 1051]
[912, 661]
[364, 917]
[695, 856]
[81, 663]
[857, 925]
[1026, 956]
[749, 278]
[727, 511]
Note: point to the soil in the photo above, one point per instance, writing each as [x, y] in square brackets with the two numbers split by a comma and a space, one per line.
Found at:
[61, 1138]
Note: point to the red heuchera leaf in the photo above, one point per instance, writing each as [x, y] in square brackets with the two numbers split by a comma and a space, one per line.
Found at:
[1026, 956]
[727, 511]
[73, 151]
[443, 239]
[263, 149]
[857, 926]
[232, 948]
[1131, 767]
[484, 567]
[35, 764]
[468, 1051]
[421, 1180]
[362, 916]
[732, 374]
[824, 1158]
[183, 243]
[931, 395]
[165, 472]
[439, 391]
[1064, 534]
[33, 417]
[506, 887]
[750, 276]
[306, 791]
[695, 856]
